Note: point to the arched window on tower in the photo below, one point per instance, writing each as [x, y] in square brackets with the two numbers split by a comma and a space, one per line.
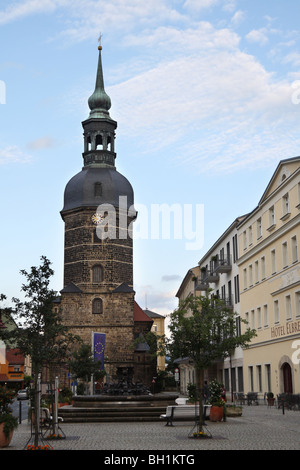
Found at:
[97, 307]
[97, 273]
[88, 143]
[99, 142]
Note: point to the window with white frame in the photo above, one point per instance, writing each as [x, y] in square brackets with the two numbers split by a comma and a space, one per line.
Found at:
[245, 278]
[294, 249]
[271, 216]
[273, 261]
[288, 307]
[256, 272]
[250, 276]
[263, 268]
[250, 235]
[276, 312]
[259, 227]
[285, 260]
[259, 318]
[252, 319]
[285, 205]
[266, 316]
[297, 303]
[244, 239]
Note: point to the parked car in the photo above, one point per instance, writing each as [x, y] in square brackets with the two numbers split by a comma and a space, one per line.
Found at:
[22, 395]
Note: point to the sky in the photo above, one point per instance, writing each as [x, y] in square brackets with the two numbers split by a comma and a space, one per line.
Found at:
[206, 94]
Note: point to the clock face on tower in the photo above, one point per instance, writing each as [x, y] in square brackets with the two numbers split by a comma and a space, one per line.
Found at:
[97, 218]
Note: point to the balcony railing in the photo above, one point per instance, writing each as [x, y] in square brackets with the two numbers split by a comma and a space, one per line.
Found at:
[223, 265]
[200, 284]
[210, 276]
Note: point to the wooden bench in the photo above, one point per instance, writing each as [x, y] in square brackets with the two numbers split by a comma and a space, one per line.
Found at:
[183, 412]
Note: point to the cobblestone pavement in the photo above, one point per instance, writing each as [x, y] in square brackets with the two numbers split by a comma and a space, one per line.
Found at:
[259, 428]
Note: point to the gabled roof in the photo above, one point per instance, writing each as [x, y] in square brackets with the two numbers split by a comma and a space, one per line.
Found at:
[153, 314]
[71, 289]
[13, 356]
[139, 314]
[123, 288]
[285, 168]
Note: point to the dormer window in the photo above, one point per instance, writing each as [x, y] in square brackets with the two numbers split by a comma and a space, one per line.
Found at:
[98, 189]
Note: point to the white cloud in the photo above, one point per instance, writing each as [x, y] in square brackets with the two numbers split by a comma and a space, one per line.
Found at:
[197, 5]
[18, 10]
[13, 154]
[41, 143]
[258, 36]
[222, 102]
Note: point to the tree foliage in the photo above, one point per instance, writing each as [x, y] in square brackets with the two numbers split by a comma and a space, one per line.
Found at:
[204, 330]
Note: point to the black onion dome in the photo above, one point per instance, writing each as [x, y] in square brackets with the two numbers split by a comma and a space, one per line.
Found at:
[94, 186]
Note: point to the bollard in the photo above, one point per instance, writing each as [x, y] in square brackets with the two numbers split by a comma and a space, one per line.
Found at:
[282, 403]
[20, 412]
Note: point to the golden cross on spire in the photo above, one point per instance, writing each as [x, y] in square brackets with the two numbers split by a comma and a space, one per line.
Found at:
[99, 41]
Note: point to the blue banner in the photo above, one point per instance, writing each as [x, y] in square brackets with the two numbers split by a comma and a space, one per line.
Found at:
[99, 347]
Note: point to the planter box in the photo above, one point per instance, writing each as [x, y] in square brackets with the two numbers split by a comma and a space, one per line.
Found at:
[232, 411]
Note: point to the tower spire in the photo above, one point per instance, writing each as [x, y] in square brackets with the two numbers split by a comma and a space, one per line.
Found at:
[99, 128]
[99, 102]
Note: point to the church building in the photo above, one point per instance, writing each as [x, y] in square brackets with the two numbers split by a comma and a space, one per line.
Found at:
[98, 213]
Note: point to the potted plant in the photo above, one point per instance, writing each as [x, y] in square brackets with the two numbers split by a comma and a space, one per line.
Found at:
[8, 422]
[216, 401]
[270, 398]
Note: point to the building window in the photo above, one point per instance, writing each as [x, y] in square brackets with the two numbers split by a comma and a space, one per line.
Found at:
[285, 260]
[97, 273]
[97, 307]
[258, 318]
[253, 319]
[297, 303]
[250, 235]
[259, 228]
[256, 274]
[271, 216]
[273, 262]
[294, 249]
[236, 289]
[98, 189]
[245, 278]
[276, 312]
[263, 268]
[250, 276]
[266, 316]
[245, 240]
[288, 307]
[250, 373]
[285, 206]
[235, 248]
[259, 381]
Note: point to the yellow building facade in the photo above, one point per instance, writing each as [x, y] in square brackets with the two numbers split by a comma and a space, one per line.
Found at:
[269, 273]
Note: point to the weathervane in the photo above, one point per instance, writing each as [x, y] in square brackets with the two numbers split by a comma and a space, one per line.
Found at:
[99, 40]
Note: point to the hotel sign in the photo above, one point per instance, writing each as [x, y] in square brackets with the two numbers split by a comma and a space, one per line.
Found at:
[287, 329]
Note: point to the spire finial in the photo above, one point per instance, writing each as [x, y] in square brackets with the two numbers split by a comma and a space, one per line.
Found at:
[99, 41]
[99, 102]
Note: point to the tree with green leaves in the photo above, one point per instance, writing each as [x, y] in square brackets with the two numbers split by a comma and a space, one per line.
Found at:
[41, 333]
[83, 365]
[204, 330]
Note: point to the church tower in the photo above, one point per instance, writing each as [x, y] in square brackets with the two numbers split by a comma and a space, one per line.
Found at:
[98, 212]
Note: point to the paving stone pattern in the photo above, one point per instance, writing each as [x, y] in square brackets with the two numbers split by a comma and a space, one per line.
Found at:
[259, 428]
